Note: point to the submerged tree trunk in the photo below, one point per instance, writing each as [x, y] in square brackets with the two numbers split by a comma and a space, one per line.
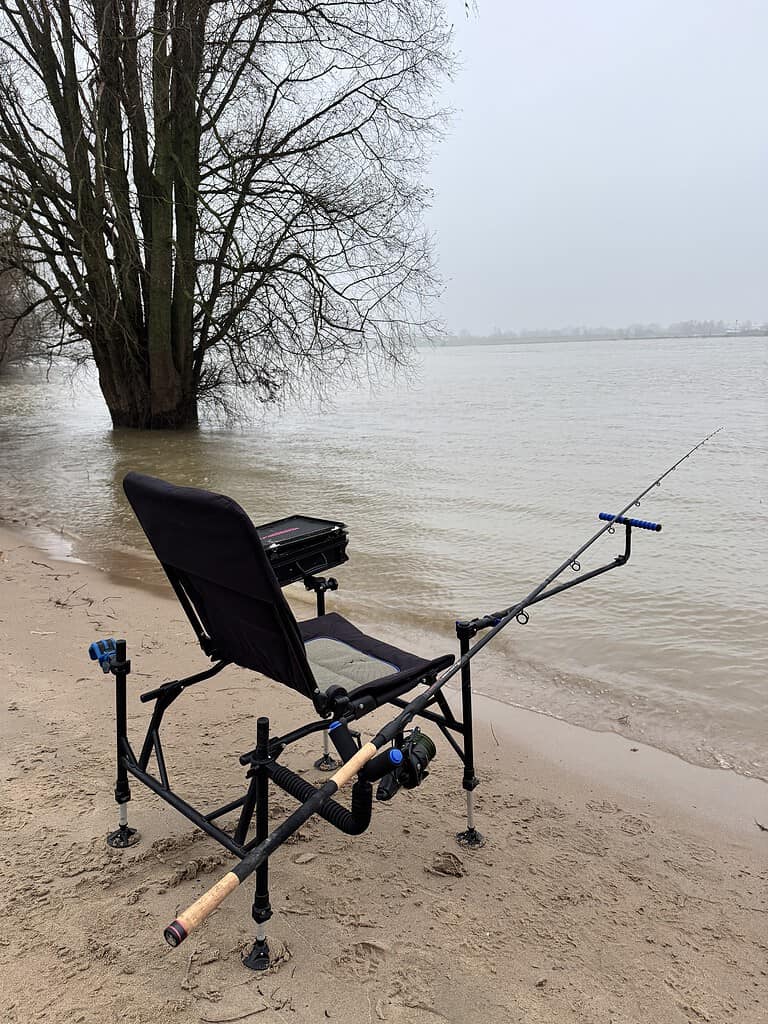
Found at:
[143, 390]
[132, 398]
[146, 373]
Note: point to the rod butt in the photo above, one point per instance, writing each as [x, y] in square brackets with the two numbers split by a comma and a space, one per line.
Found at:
[175, 934]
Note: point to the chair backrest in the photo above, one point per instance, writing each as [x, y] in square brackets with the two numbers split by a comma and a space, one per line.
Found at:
[213, 557]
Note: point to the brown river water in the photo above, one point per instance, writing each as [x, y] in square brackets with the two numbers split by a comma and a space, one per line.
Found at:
[462, 488]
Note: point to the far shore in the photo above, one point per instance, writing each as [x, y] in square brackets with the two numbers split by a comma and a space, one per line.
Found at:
[458, 341]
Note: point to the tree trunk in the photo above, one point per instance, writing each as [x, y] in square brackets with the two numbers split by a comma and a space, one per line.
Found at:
[130, 406]
[126, 383]
[146, 368]
[184, 415]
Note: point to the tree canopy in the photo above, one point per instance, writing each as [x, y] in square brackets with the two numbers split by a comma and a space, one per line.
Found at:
[218, 193]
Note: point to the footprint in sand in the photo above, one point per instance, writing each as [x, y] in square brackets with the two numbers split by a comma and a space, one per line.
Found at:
[634, 826]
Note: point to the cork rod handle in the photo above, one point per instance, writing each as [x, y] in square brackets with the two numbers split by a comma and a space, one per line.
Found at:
[202, 908]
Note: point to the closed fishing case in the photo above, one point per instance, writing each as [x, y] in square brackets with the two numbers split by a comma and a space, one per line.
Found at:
[299, 546]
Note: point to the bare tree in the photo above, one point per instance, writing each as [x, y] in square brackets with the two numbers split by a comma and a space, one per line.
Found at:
[217, 193]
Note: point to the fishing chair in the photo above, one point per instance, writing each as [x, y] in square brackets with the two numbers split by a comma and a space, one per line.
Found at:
[217, 565]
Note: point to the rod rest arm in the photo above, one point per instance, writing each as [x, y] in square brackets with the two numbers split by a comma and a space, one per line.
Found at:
[175, 686]
[469, 628]
[352, 822]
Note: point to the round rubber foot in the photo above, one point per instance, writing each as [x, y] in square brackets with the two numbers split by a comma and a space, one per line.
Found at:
[123, 837]
[258, 958]
[471, 839]
[326, 763]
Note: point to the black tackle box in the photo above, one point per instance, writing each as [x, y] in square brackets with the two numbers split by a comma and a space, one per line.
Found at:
[299, 546]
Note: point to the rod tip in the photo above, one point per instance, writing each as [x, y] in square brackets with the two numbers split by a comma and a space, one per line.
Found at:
[175, 934]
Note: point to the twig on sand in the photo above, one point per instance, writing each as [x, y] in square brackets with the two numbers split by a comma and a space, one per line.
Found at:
[227, 1020]
[65, 602]
[494, 734]
[186, 981]
[763, 828]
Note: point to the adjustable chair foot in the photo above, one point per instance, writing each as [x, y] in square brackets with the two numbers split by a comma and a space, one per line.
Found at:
[326, 763]
[470, 839]
[123, 837]
[258, 958]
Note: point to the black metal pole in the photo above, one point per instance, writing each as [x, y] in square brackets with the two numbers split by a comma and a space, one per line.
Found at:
[258, 958]
[470, 837]
[120, 668]
[326, 762]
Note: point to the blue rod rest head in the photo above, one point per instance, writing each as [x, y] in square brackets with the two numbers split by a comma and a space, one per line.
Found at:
[103, 651]
[641, 524]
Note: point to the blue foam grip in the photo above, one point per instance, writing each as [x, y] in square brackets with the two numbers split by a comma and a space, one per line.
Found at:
[641, 524]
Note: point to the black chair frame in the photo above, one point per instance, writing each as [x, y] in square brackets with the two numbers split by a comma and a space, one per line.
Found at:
[128, 763]
[262, 761]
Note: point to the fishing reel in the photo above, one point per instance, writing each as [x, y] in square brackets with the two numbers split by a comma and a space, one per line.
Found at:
[410, 769]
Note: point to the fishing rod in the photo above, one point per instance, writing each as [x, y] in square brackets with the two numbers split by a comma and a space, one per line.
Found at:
[194, 916]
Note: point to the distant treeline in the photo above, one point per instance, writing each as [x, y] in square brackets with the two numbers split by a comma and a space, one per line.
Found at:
[683, 329]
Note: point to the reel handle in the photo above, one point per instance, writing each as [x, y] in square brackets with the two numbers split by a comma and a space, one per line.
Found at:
[641, 524]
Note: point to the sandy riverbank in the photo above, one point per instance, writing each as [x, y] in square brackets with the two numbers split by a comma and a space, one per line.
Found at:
[617, 884]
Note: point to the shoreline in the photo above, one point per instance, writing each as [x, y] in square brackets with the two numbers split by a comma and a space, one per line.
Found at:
[127, 562]
[591, 752]
[667, 652]
[485, 341]
[615, 884]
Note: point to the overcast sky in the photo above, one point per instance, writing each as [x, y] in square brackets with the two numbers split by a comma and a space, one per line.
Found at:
[607, 164]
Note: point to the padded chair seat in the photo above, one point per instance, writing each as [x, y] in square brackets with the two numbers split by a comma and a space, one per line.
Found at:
[341, 654]
[335, 663]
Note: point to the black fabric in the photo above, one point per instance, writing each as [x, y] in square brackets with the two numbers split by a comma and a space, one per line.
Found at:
[208, 546]
[410, 668]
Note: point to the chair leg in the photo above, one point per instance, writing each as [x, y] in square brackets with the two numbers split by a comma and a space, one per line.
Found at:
[470, 838]
[123, 836]
[258, 957]
[326, 763]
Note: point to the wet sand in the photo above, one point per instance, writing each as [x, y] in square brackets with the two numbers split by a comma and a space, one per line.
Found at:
[617, 884]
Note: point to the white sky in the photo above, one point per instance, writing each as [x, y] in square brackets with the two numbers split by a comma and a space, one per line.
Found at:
[607, 163]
